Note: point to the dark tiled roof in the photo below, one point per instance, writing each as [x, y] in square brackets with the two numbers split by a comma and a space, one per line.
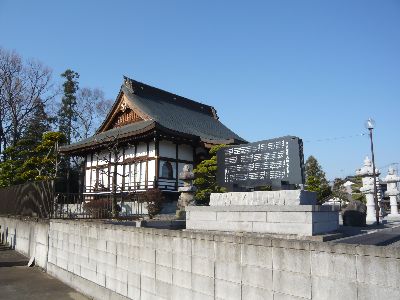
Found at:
[165, 110]
[199, 120]
[104, 137]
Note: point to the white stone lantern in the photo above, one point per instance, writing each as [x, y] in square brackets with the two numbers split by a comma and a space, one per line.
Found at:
[366, 173]
[392, 192]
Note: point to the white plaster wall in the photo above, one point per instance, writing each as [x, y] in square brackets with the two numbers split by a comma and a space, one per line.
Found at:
[103, 177]
[103, 156]
[94, 160]
[167, 149]
[137, 172]
[93, 182]
[130, 152]
[120, 170]
[152, 149]
[88, 160]
[185, 152]
[143, 173]
[141, 150]
[130, 172]
[151, 170]
[87, 177]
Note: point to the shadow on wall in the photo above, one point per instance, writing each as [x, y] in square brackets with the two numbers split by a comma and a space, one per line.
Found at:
[11, 258]
[4, 239]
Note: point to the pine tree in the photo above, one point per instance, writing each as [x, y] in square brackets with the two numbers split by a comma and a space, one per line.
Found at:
[316, 180]
[43, 163]
[26, 163]
[355, 190]
[206, 177]
[66, 114]
[339, 191]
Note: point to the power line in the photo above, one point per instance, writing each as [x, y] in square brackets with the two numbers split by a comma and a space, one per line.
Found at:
[327, 139]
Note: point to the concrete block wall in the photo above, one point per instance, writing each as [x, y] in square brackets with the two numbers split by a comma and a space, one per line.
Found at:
[28, 237]
[108, 261]
[144, 263]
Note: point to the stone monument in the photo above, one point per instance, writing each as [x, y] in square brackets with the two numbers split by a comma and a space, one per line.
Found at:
[366, 173]
[186, 198]
[244, 168]
[278, 212]
[392, 192]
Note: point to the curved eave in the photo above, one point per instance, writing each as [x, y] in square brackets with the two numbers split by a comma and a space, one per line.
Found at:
[104, 138]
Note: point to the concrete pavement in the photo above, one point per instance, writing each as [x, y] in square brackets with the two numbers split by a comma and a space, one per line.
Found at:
[17, 281]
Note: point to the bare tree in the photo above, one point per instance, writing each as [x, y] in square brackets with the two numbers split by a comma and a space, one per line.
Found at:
[112, 158]
[91, 109]
[10, 70]
[21, 85]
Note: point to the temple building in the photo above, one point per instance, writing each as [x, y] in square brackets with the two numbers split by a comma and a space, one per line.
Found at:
[156, 133]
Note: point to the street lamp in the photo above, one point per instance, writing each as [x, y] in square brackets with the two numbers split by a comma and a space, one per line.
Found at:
[370, 125]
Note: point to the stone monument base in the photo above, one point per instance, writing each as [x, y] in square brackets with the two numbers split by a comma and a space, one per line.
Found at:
[288, 219]
[278, 212]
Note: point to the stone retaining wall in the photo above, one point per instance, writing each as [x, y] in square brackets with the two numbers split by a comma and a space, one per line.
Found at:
[109, 261]
[303, 220]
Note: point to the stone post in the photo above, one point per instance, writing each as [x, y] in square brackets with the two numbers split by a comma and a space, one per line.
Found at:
[186, 198]
[392, 192]
[366, 173]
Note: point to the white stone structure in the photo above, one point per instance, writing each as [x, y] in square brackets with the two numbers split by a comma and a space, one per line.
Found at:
[366, 172]
[278, 212]
[187, 190]
[392, 192]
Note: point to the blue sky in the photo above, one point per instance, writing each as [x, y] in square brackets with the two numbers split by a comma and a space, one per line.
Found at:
[315, 69]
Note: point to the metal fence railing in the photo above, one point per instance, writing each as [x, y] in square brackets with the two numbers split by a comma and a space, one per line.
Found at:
[98, 205]
[39, 200]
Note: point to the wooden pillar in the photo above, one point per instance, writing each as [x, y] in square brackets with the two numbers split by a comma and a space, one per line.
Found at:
[90, 176]
[176, 167]
[134, 168]
[194, 157]
[109, 171]
[157, 162]
[147, 166]
[123, 169]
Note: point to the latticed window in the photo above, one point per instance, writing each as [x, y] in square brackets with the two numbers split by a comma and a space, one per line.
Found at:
[166, 170]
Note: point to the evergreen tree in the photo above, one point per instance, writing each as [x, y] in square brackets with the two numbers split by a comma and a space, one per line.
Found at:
[10, 168]
[43, 161]
[206, 177]
[67, 114]
[316, 180]
[355, 190]
[339, 191]
[66, 118]
[26, 163]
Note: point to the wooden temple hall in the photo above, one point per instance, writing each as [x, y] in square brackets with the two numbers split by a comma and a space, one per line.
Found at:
[156, 133]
